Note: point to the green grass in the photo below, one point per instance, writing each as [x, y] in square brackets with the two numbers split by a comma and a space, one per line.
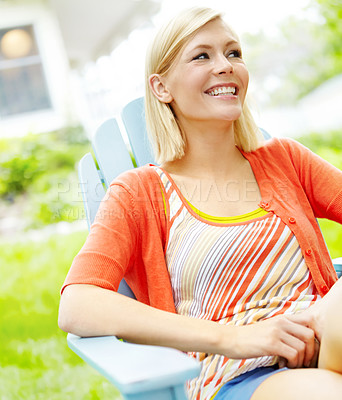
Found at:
[332, 232]
[35, 362]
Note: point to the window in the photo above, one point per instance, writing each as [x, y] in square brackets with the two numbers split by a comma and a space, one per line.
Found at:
[22, 82]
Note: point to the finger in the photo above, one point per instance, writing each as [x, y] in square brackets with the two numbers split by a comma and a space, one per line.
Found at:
[306, 335]
[309, 352]
[296, 351]
[309, 319]
[302, 318]
[314, 360]
[288, 356]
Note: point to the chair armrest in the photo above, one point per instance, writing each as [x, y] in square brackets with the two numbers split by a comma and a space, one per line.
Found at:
[135, 368]
[338, 266]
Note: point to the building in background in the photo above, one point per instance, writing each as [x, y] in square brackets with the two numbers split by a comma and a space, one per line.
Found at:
[45, 46]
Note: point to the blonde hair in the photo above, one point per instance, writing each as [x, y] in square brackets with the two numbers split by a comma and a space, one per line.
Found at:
[163, 128]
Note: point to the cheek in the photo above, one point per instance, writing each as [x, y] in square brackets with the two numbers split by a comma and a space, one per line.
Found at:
[244, 74]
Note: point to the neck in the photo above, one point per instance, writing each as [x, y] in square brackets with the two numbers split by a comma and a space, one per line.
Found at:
[210, 153]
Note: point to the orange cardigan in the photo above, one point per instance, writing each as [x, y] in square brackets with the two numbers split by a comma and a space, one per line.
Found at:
[129, 235]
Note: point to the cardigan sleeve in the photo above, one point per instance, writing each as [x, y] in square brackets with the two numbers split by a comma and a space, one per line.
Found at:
[321, 181]
[111, 244]
[127, 240]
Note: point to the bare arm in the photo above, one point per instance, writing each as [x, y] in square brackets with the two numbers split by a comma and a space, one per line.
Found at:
[87, 310]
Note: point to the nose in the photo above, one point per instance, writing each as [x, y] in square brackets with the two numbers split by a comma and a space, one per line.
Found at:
[223, 65]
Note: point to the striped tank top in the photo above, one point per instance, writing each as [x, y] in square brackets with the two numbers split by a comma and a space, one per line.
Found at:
[235, 271]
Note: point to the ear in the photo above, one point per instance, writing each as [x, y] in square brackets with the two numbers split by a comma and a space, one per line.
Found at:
[159, 89]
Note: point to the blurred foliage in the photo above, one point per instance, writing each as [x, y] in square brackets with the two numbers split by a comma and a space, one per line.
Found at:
[322, 57]
[302, 54]
[278, 62]
[331, 11]
[41, 170]
[35, 360]
[327, 145]
[332, 232]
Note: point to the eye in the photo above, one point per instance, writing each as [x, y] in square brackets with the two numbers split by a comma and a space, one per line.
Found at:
[201, 56]
[235, 54]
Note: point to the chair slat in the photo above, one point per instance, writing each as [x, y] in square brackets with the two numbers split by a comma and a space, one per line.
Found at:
[111, 151]
[91, 187]
[133, 117]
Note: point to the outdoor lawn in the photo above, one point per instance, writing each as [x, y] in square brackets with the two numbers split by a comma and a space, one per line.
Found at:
[34, 358]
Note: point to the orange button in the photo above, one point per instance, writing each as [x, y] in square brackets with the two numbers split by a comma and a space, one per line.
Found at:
[292, 220]
[324, 289]
[308, 252]
[264, 205]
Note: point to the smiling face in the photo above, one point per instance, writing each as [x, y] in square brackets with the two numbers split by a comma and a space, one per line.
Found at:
[208, 80]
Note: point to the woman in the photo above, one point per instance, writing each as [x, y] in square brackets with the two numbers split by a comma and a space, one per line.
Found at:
[220, 244]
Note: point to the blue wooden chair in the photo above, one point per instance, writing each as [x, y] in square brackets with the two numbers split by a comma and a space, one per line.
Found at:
[140, 372]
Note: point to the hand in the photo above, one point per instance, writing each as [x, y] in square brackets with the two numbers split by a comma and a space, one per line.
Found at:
[287, 336]
[313, 318]
[316, 314]
[282, 362]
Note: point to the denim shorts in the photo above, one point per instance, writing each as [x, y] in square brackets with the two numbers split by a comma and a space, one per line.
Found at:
[243, 386]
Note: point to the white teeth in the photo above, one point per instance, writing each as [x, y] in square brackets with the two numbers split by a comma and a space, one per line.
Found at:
[222, 90]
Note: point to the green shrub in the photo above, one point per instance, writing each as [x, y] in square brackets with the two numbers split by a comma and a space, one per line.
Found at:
[16, 174]
[42, 169]
[327, 145]
[23, 160]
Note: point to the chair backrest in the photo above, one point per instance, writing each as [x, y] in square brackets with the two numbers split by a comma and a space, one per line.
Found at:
[113, 155]
[113, 158]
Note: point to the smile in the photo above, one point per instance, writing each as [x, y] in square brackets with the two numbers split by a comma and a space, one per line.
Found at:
[223, 90]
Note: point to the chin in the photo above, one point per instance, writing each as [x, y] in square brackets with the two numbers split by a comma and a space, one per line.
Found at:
[231, 117]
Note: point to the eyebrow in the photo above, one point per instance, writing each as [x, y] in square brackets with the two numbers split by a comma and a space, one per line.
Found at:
[207, 46]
